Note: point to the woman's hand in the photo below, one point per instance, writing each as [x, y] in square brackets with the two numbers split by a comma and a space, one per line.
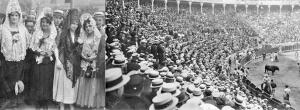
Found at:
[59, 65]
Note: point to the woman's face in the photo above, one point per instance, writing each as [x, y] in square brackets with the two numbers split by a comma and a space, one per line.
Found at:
[89, 28]
[14, 17]
[45, 25]
[100, 21]
[74, 26]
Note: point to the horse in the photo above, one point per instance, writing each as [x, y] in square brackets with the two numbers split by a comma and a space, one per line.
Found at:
[271, 68]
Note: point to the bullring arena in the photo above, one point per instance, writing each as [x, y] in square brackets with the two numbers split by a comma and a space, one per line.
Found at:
[288, 75]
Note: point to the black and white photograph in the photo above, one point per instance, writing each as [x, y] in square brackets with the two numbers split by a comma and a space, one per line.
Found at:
[50, 55]
[202, 55]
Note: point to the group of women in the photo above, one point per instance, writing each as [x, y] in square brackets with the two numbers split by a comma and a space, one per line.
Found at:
[54, 63]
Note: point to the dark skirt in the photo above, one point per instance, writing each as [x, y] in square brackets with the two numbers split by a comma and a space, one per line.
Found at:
[11, 72]
[42, 80]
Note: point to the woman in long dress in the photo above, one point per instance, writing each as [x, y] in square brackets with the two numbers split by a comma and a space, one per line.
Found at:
[87, 84]
[45, 51]
[14, 39]
[69, 52]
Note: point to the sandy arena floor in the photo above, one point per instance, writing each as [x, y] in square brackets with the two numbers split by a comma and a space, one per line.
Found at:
[288, 75]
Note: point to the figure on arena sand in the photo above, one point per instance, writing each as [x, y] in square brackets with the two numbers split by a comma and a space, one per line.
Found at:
[14, 42]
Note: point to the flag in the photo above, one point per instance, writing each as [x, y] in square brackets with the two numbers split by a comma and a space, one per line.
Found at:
[68, 1]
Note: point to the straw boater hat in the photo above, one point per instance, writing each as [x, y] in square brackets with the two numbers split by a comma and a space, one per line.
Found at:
[114, 79]
[239, 100]
[163, 69]
[190, 89]
[99, 14]
[116, 52]
[58, 13]
[179, 80]
[170, 78]
[190, 106]
[156, 83]
[119, 60]
[197, 93]
[164, 101]
[163, 74]
[202, 87]
[153, 74]
[170, 88]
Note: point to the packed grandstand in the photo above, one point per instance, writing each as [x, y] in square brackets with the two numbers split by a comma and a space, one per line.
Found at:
[191, 60]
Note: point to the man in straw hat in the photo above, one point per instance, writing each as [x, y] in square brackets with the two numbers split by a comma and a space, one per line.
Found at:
[133, 93]
[115, 82]
[100, 20]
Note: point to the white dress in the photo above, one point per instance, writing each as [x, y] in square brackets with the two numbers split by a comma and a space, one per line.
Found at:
[62, 87]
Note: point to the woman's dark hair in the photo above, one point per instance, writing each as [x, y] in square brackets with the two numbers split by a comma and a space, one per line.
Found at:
[2, 16]
[85, 23]
[48, 19]
[10, 14]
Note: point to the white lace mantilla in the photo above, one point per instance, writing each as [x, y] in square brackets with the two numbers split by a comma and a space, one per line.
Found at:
[14, 47]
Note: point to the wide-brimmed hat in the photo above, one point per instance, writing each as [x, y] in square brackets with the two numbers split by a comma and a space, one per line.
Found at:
[164, 101]
[170, 88]
[153, 74]
[114, 79]
[156, 83]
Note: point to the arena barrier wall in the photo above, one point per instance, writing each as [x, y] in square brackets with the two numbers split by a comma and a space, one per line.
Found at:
[268, 49]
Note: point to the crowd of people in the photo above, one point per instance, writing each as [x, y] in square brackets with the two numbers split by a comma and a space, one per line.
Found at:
[51, 56]
[164, 60]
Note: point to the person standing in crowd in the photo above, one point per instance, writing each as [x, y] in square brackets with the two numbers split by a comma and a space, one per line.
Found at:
[90, 39]
[266, 87]
[14, 42]
[29, 61]
[65, 78]
[286, 96]
[100, 21]
[30, 25]
[273, 85]
[58, 17]
[142, 47]
[264, 56]
[46, 54]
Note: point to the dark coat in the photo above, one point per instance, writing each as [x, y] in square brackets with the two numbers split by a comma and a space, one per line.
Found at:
[70, 51]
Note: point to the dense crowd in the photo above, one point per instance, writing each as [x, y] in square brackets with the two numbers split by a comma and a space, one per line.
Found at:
[164, 60]
[51, 56]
